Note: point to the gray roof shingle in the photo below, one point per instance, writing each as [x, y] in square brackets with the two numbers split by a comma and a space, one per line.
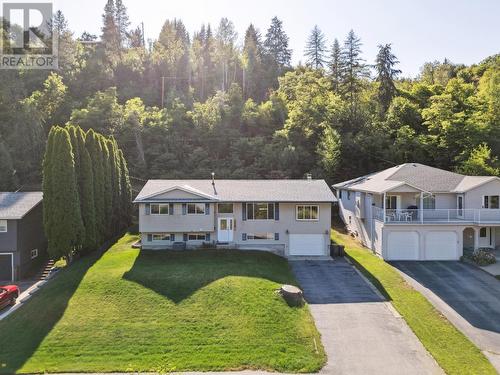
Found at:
[14, 205]
[245, 190]
[420, 176]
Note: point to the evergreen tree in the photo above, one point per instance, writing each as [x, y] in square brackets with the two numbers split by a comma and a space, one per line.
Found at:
[276, 45]
[108, 187]
[354, 69]
[125, 192]
[64, 228]
[252, 64]
[110, 32]
[315, 51]
[335, 65]
[122, 22]
[94, 148]
[386, 74]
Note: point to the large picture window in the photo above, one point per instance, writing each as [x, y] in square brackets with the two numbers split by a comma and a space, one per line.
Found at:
[225, 208]
[391, 202]
[307, 212]
[491, 201]
[260, 211]
[196, 208]
[3, 226]
[429, 202]
[159, 209]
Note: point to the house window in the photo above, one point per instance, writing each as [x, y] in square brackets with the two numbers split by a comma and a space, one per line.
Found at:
[307, 212]
[391, 202]
[34, 253]
[491, 201]
[348, 195]
[3, 226]
[225, 208]
[197, 237]
[196, 208]
[260, 211]
[260, 236]
[429, 202]
[160, 209]
[161, 237]
[482, 232]
[340, 194]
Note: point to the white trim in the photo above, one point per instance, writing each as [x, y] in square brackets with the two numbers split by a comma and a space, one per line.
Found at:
[492, 178]
[185, 189]
[36, 253]
[197, 234]
[260, 202]
[305, 205]
[6, 226]
[11, 264]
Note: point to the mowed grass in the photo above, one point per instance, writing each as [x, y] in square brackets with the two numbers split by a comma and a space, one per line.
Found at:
[449, 347]
[163, 311]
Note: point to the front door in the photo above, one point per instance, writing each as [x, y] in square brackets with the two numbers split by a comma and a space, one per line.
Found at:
[225, 229]
[485, 238]
[460, 206]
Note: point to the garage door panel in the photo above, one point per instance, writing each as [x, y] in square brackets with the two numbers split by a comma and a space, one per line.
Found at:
[402, 245]
[5, 267]
[441, 245]
[307, 244]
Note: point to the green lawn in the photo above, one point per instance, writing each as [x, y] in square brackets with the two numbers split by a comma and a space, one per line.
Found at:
[451, 349]
[163, 311]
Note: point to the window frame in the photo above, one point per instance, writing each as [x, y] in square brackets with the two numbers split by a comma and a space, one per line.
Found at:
[388, 198]
[198, 235]
[160, 206]
[163, 235]
[267, 236]
[227, 204]
[270, 213]
[485, 232]
[310, 210]
[36, 253]
[433, 205]
[4, 226]
[196, 207]
[487, 202]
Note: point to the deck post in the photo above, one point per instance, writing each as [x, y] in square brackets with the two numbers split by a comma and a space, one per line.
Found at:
[422, 207]
[383, 205]
[476, 238]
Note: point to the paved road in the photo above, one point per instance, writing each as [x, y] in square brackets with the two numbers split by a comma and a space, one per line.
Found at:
[361, 333]
[467, 296]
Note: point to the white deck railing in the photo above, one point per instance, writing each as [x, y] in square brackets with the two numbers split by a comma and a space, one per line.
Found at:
[426, 216]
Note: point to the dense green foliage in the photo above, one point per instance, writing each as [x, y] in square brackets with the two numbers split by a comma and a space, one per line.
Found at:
[74, 220]
[449, 347]
[161, 312]
[184, 106]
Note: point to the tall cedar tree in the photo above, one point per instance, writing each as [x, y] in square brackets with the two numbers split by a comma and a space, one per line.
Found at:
[354, 69]
[108, 187]
[126, 192]
[110, 36]
[278, 56]
[335, 65]
[95, 151]
[316, 50]
[122, 22]
[386, 74]
[63, 222]
[252, 65]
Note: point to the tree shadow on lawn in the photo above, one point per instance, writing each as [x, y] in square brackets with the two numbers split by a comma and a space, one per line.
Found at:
[22, 332]
[179, 274]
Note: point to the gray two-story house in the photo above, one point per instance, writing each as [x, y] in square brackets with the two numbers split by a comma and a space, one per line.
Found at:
[289, 217]
[416, 212]
[22, 239]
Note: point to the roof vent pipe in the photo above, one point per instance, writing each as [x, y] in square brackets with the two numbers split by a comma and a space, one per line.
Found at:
[308, 176]
[213, 182]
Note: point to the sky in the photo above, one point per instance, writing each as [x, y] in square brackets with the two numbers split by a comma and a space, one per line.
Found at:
[464, 31]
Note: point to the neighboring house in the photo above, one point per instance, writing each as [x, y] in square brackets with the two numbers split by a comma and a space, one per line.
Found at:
[289, 217]
[416, 212]
[22, 240]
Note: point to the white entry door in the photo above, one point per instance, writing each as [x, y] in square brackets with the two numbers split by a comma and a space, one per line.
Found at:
[225, 229]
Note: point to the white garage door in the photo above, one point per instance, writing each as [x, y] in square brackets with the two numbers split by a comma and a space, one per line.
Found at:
[440, 245]
[402, 246]
[307, 244]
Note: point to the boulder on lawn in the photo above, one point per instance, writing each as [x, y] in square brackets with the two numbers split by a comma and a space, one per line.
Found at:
[292, 295]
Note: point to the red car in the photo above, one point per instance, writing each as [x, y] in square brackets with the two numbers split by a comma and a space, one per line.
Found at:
[8, 295]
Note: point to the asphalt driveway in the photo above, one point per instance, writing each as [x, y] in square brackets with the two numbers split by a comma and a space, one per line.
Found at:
[467, 296]
[361, 333]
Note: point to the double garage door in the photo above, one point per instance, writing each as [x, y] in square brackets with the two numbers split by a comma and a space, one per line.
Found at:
[437, 245]
[307, 244]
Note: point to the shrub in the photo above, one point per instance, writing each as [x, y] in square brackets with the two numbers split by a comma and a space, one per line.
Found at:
[483, 257]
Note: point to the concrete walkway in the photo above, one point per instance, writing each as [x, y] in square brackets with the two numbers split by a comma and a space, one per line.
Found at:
[468, 297]
[361, 333]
